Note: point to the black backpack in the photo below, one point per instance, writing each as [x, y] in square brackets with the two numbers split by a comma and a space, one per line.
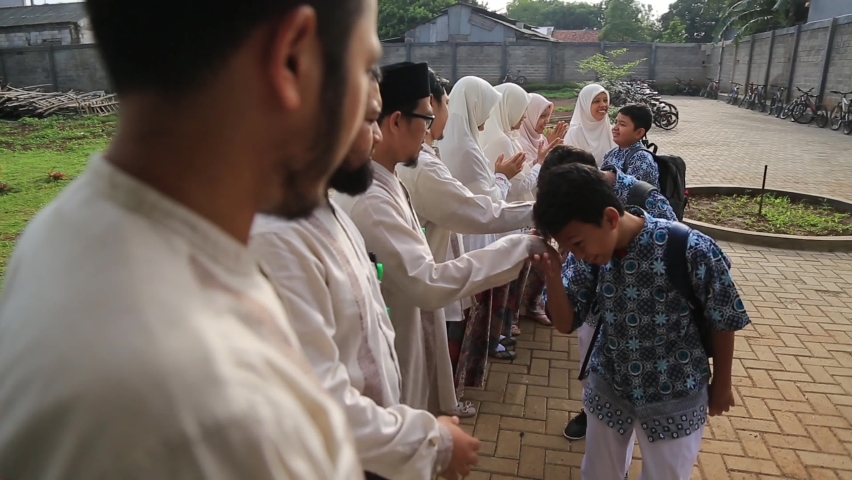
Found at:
[672, 177]
[678, 274]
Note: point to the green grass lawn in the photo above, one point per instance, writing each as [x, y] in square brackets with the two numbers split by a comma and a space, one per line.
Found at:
[31, 153]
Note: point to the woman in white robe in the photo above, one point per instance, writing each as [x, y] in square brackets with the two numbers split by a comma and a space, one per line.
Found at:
[471, 103]
[590, 128]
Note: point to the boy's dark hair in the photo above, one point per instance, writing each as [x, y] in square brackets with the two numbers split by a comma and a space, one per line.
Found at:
[191, 39]
[565, 155]
[640, 115]
[437, 85]
[570, 193]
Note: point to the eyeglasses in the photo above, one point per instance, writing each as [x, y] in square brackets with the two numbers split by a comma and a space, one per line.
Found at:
[429, 118]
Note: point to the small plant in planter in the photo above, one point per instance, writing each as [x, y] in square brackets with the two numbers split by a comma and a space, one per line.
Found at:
[55, 176]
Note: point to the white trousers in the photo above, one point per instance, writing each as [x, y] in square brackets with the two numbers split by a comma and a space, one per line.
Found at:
[663, 460]
[584, 341]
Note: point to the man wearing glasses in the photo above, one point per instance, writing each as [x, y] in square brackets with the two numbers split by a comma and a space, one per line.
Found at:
[413, 281]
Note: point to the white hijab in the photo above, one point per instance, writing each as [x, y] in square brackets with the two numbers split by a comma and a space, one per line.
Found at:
[586, 133]
[498, 137]
[471, 102]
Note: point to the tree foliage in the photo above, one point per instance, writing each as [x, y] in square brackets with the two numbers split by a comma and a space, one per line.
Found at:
[557, 13]
[756, 16]
[605, 68]
[398, 16]
[627, 21]
[699, 18]
[675, 32]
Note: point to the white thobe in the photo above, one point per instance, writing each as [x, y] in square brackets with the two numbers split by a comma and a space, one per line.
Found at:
[140, 341]
[446, 208]
[414, 281]
[320, 266]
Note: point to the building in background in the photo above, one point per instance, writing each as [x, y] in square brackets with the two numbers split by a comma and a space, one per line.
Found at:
[825, 9]
[577, 36]
[465, 23]
[58, 24]
[12, 3]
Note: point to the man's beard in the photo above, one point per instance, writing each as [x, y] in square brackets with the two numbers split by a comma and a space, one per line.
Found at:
[410, 163]
[352, 182]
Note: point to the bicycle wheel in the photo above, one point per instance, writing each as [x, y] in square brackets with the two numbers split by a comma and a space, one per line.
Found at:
[703, 92]
[743, 101]
[802, 114]
[779, 109]
[521, 80]
[761, 103]
[668, 120]
[835, 119]
[772, 105]
[821, 116]
[847, 124]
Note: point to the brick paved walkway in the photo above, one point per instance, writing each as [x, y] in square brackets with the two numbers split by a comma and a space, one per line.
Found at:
[793, 367]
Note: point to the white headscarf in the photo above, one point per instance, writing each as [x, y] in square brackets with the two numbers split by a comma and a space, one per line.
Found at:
[498, 137]
[471, 102]
[586, 133]
[530, 139]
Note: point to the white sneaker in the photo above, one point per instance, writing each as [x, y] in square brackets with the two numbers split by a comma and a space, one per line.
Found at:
[463, 410]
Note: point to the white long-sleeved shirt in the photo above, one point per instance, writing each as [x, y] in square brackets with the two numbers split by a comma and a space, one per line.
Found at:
[320, 266]
[140, 341]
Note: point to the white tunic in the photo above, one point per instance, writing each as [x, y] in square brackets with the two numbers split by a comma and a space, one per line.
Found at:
[446, 208]
[320, 266]
[140, 341]
[414, 281]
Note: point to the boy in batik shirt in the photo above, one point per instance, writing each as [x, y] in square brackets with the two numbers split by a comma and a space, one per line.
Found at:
[630, 127]
[654, 203]
[649, 371]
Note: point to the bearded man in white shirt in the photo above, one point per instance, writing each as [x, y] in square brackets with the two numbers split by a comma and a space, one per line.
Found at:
[320, 267]
[414, 280]
[139, 338]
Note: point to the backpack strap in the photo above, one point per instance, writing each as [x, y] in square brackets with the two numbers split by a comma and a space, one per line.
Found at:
[678, 274]
[584, 369]
[628, 158]
[639, 192]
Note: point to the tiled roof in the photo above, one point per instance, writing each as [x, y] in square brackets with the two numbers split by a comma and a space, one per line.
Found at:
[578, 36]
[42, 14]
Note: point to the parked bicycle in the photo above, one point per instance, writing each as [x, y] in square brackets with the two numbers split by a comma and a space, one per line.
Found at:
[841, 114]
[805, 110]
[665, 114]
[776, 106]
[755, 98]
[711, 90]
[516, 78]
[686, 88]
[734, 94]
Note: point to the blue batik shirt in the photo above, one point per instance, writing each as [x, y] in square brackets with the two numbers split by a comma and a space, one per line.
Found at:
[648, 367]
[655, 203]
[643, 166]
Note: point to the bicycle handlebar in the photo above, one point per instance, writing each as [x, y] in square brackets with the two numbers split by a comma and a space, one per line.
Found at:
[841, 93]
[809, 90]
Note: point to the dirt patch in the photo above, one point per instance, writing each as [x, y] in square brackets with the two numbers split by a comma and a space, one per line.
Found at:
[780, 215]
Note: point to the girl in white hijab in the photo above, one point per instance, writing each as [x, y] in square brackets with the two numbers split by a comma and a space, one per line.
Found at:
[471, 102]
[590, 128]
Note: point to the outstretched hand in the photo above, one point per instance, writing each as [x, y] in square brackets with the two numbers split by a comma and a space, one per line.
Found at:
[549, 263]
[511, 167]
[544, 149]
[558, 131]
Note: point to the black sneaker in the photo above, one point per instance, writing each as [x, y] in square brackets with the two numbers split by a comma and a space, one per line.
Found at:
[576, 428]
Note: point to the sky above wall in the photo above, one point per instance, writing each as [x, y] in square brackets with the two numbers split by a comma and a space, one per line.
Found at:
[660, 6]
